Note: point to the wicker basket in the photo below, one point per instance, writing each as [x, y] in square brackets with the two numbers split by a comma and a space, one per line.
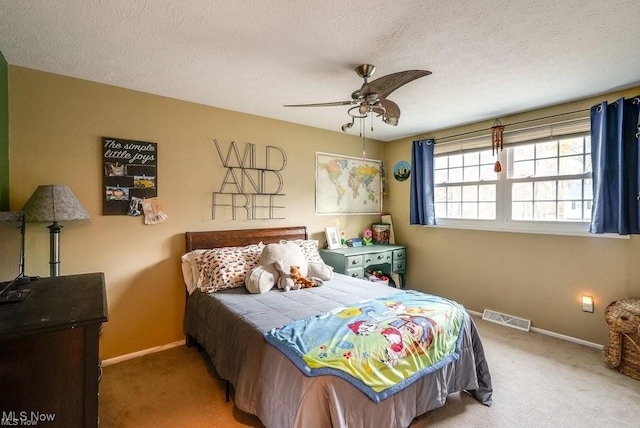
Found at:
[623, 350]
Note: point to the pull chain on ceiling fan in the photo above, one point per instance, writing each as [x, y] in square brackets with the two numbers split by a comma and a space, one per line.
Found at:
[371, 98]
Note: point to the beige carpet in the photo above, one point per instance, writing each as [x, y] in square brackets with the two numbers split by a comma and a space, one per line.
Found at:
[538, 381]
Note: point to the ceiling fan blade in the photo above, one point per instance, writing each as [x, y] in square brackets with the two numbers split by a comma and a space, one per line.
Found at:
[336, 103]
[384, 85]
[389, 110]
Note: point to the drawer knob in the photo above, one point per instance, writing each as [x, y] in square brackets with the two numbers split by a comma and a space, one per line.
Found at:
[355, 275]
[400, 266]
[354, 262]
[380, 257]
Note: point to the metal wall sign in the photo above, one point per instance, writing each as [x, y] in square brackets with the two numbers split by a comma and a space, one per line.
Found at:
[252, 183]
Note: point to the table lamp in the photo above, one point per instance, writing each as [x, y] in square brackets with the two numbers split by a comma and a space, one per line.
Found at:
[54, 203]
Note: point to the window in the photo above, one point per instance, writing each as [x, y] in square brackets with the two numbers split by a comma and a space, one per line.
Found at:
[465, 185]
[544, 186]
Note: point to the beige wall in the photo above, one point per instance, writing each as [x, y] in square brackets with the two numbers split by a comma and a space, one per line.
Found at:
[538, 277]
[56, 124]
[55, 128]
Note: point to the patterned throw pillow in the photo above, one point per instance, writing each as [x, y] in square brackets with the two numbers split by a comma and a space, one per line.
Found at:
[309, 248]
[227, 267]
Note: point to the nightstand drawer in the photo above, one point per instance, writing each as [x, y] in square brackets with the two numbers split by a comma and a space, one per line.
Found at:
[398, 255]
[399, 266]
[356, 272]
[353, 262]
[373, 259]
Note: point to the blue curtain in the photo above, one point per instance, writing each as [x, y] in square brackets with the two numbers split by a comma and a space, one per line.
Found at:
[422, 208]
[615, 135]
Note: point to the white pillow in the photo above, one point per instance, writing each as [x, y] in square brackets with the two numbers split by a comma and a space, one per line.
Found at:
[190, 269]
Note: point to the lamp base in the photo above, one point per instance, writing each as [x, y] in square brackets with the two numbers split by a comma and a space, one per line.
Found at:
[26, 279]
[14, 296]
[54, 248]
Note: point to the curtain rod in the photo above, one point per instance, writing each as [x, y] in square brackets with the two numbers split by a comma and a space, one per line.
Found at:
[511, 124]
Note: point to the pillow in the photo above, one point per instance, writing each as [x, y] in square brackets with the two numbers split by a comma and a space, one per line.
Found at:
[191, 270]
[309, 248]
[226, 267]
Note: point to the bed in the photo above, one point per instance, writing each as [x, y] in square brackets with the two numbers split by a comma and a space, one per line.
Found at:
[230, 324]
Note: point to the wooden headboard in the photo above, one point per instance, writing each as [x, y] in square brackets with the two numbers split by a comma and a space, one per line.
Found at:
[240, 237]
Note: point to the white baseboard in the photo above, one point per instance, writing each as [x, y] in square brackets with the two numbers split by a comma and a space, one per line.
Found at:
[553, 334]
[137, 354]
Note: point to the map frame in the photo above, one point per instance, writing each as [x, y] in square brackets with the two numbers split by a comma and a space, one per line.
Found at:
[351, 207]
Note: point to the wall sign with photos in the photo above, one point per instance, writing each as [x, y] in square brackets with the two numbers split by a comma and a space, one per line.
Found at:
[129, 175]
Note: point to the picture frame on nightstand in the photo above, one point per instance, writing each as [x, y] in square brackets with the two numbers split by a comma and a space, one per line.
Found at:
[333, 238]
[381, 233]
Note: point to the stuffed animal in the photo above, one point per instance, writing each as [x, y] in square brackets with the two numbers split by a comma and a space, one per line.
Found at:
[294, 273]
[285, 282]
[274, 268]
[294, 280]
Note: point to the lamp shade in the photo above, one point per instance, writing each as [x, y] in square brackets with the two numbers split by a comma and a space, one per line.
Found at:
[54, 203]
[11, 216]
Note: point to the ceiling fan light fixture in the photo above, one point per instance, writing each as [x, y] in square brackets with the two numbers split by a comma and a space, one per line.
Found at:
[347, 126]
[390, 120]
[372, 96]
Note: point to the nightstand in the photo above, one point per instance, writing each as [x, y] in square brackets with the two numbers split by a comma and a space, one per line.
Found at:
[355, 261]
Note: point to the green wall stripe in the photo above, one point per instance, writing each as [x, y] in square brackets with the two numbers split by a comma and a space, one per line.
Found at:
[4, 135]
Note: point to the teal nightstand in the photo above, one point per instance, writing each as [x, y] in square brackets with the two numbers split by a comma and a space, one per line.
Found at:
[355, 261]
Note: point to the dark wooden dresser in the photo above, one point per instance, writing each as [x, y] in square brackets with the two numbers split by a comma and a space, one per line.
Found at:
[49, 363]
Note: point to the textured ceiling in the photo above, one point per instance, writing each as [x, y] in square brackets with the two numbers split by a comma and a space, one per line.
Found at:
[489, 58]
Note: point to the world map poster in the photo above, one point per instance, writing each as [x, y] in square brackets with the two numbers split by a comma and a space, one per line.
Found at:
[348, 185]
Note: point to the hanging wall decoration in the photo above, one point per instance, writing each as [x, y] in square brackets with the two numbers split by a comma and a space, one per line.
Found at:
[252, 185]
[129, 175]
[402, 170]
[348, 185]
[497, 131]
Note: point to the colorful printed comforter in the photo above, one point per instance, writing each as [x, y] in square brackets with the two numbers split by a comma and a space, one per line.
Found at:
[380, 346]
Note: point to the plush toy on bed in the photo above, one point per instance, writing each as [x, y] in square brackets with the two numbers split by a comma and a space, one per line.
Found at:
[293, 280]
[274, 268]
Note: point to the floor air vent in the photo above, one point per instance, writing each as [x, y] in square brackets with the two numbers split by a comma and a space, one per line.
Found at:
[508, 320]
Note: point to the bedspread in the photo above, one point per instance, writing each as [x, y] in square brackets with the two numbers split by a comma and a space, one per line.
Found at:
[230, 326]
[380, 346]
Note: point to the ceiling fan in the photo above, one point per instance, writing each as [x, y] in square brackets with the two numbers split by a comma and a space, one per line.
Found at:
[372, 96]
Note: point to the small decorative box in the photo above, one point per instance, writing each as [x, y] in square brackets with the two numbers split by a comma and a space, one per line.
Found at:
[354, 242]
